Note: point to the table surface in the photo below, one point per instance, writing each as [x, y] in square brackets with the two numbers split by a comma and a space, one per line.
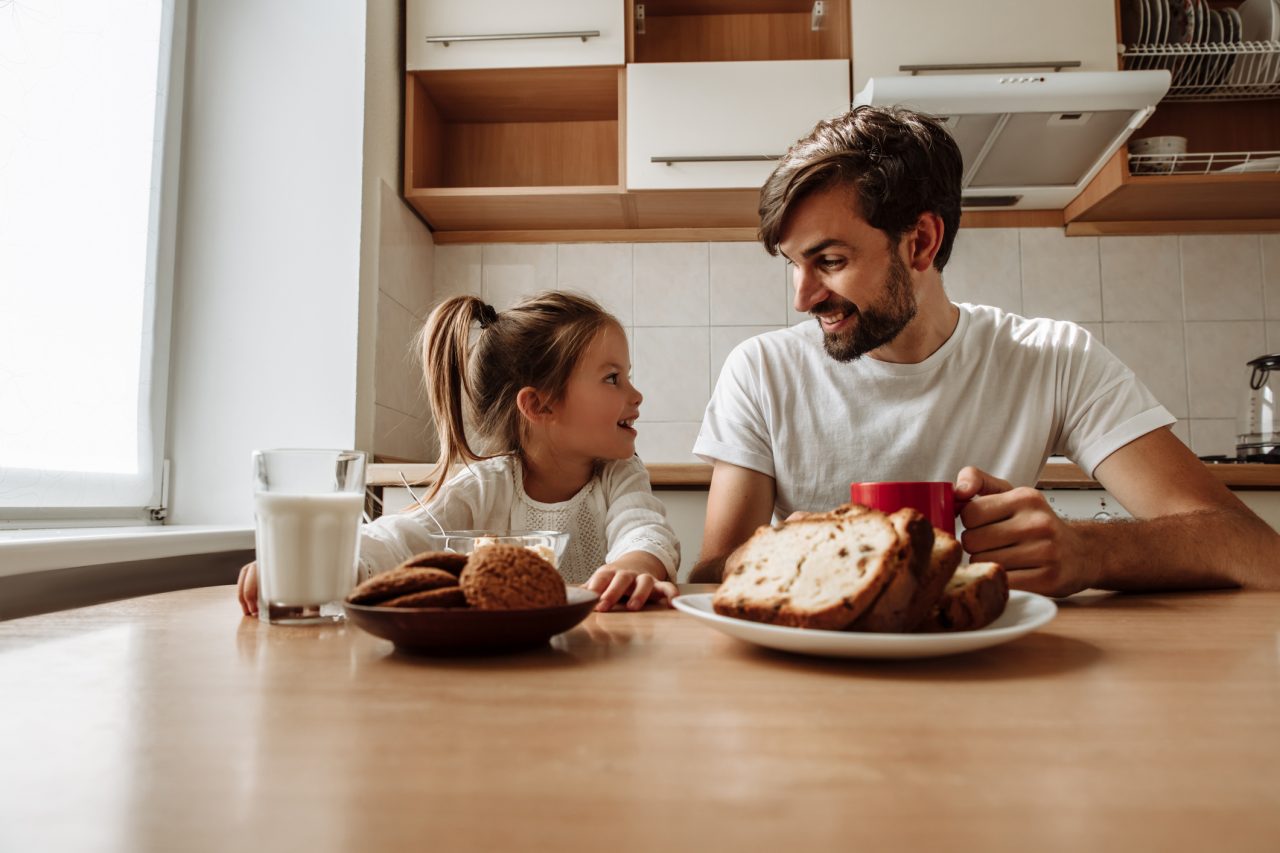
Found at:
[170, 723]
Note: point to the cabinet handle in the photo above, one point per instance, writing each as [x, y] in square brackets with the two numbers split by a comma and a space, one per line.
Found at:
[717, 158]
[991, 66]
[581, 34]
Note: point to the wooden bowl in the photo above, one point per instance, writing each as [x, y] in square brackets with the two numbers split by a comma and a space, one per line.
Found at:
[461, 630]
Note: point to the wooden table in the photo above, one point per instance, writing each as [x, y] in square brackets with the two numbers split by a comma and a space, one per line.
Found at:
[169, 723]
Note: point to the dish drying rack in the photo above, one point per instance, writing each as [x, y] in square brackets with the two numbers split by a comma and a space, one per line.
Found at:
[1214, 71]
[1201, 163]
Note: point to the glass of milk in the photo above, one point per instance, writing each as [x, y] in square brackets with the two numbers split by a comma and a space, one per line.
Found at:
[307, 507]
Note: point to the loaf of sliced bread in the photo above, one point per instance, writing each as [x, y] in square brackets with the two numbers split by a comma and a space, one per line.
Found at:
[822, 571]
[974, 598]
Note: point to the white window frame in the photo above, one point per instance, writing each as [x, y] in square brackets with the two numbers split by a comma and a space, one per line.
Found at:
[158, 303]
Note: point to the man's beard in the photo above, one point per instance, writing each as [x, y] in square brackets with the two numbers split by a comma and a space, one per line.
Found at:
[876, 325]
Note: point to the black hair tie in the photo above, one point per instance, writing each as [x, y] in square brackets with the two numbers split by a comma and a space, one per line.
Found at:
[488, 315]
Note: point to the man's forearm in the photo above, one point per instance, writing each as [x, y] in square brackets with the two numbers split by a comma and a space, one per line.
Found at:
[1196, 550]
[708, 570]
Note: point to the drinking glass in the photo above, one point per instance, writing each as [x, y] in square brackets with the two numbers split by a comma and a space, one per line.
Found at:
[307, 508]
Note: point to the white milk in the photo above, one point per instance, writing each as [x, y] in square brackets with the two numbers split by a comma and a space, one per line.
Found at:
[307, 546]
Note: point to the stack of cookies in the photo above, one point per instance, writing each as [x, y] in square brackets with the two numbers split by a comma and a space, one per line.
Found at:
[493, 577]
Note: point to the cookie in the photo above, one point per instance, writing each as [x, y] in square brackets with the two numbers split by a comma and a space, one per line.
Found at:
[447, 560]
[400, 581]
[505, 577]
[449, 596]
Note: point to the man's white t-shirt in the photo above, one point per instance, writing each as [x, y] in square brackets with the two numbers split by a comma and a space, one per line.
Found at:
[1003, 393]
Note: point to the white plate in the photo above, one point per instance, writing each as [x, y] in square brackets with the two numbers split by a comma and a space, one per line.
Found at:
[1025, 613]
[1267, 164]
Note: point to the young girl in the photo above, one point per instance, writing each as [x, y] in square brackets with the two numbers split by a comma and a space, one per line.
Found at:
[546, 389]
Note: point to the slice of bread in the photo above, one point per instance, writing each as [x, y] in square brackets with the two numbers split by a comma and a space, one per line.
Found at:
[822, 571]
[892, 610]
[945, 556]
[974, 598]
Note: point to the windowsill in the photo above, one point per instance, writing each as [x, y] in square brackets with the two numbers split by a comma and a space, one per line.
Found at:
[38, 550]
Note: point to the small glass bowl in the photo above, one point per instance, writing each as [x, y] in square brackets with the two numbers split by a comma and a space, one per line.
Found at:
[466, 541]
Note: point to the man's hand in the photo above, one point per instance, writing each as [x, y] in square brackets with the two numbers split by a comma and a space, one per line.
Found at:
[1019, 530]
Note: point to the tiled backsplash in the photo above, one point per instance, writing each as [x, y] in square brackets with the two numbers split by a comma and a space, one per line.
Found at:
[1185, 313]
[401, 425]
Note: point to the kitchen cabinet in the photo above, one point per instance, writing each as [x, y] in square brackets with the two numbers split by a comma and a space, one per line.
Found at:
[888, 36]
[514, 34]
[701, 125]
[520, 151]
[504, 149]
[1224, 101]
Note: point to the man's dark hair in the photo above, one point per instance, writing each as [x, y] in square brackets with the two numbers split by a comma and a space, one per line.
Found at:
[898, 163]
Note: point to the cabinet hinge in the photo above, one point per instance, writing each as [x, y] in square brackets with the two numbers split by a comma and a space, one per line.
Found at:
[639, 19]
[819, 15]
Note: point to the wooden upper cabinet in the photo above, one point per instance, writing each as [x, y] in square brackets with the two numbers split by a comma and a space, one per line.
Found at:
[458, 34]
[699, 125]
[889, 35]
[1224, 102]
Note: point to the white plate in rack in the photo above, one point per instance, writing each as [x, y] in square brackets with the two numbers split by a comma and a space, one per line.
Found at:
[1024, 613]
[1266, 164]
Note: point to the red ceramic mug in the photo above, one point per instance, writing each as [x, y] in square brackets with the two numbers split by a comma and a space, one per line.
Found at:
[935, 501]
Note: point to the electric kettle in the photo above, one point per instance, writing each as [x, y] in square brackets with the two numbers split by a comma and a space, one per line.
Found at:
[1258, 427]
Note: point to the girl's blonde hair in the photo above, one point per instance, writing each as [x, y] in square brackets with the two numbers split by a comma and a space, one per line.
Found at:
[535, 344]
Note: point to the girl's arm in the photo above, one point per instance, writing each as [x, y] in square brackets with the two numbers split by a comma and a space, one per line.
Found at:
[635, 520]
[643, 551]
[390, 540]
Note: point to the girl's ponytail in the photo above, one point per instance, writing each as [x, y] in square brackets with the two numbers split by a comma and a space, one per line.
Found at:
[446, 347]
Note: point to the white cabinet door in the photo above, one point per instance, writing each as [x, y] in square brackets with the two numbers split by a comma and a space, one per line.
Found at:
[710, 119]
[513, 33]
[934, 32]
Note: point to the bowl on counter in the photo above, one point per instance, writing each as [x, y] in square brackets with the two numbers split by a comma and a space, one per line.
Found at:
[549, 544]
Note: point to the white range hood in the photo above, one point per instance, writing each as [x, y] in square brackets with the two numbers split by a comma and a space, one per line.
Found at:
[1030, 141]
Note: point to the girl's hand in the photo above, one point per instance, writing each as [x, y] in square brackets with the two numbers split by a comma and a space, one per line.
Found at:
[612, 583]
[247, 589]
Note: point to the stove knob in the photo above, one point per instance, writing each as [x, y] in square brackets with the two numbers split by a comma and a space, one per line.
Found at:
[1102, 516]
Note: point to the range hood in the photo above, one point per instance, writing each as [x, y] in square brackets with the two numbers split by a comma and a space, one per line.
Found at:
[1030, 141]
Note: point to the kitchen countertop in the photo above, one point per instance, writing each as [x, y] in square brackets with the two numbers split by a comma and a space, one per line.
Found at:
[170, 722]
[1056, 475]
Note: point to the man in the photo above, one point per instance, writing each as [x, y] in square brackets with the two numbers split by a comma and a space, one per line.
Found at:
[894, 382]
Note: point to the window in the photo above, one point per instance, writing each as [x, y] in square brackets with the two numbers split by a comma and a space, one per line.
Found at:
[90, 107]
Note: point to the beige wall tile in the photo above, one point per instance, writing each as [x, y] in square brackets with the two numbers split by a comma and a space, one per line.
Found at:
[744, 285]
[513, 272]
[601, 271]
[402, 436]
[457, 271]
[1273, 336]
[1156, 355]
[1222, 276]
[1271, 276]
[397, 377]
[406, 255]
[1095, 330]
[725, 338]
[1060, 276]
[671, 371]
[670, 442]
[1217, 355]
[1182, 429]
[1213, 436]
[985, 268]
[672, 284]
[1141, 278]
